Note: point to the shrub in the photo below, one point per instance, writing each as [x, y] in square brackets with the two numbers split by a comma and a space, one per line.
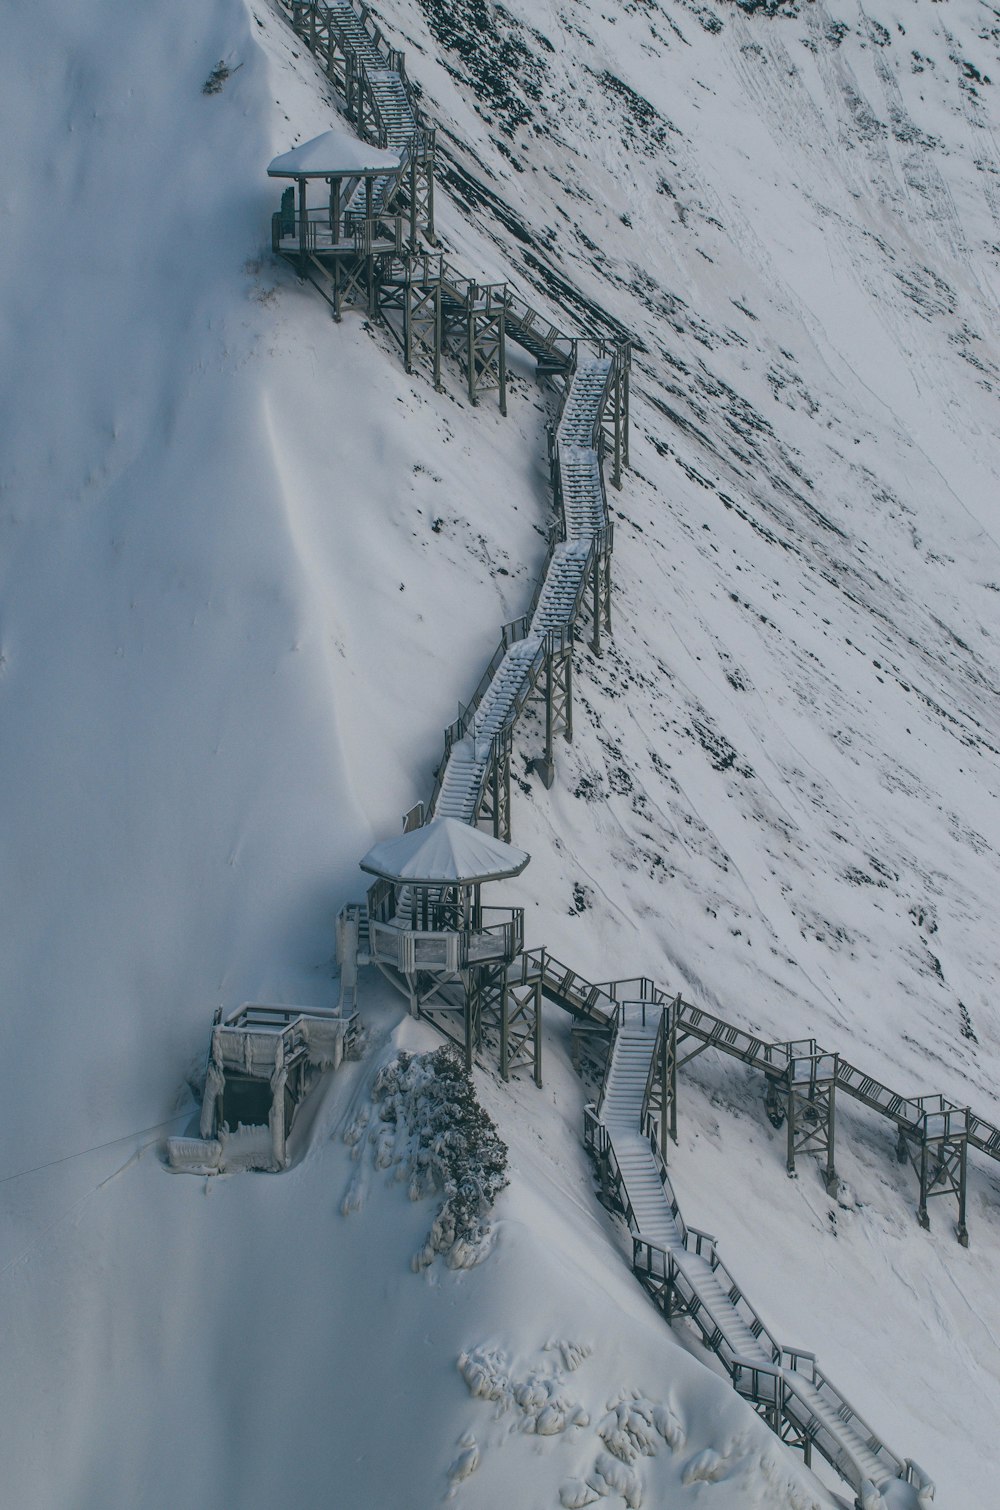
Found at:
[453, 1148]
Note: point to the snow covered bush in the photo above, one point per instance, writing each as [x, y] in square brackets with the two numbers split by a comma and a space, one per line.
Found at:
[220, 73]
[452, 1148]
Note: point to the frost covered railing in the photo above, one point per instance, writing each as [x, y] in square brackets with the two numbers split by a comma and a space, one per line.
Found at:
[409, 950]
[363, 236]
[262, 1063]
[473, 778]
[552, 348]
[356, 55]
[801, 1080]
[379, 99]
[562, 984]
[681, 1269]
[256, 1035]
[790, 1389]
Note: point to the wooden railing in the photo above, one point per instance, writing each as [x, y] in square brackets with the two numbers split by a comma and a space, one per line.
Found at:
[786, 1382]
[278, 1029]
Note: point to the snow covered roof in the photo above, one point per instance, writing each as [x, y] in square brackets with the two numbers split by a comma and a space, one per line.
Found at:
[333, 152]
[445, 851]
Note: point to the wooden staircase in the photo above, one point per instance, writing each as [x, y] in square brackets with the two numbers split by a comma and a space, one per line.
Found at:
[437, 310]
[681, 1269]
[558, 605]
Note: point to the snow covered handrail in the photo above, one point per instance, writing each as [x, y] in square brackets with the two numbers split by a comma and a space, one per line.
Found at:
[540, 642]
[933, 1133]
[682, 1270]
[371, 76]
[473, 782]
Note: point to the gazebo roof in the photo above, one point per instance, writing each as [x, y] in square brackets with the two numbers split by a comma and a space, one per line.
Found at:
[333, 153]
[445, 852]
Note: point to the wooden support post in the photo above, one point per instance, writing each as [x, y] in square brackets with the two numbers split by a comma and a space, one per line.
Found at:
[810, 1088]
[502, 359]
[471, 1014]
[664, 1070]
[616, 473]
[369, 259]
[496, 800]
[546, 766]
[558, 704]
[336, 190]
[422, 318]
[428, 162]
[414, 205]
[505, 1033]
[595, 643]
[962, 1231]
[438, 337]
[790, 1129]
[408, 324]
[922, 1216]
[501, 796]
[303, 225]
[615, 427]
[668, 1074]
[937, 1147]
[494, 805]
[520, 1003]
[470, 339]
[568, 715]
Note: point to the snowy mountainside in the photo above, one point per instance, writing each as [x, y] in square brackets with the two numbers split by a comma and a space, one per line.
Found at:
[249, 567]
[222, 586]
[785, 802]
[810, 524]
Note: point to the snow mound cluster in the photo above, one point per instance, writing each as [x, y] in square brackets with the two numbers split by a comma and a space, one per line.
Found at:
[621, 1448]
[432, 1131]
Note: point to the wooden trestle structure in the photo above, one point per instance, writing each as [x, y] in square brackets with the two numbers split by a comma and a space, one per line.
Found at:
[681, 1268]
[464, 967]
[460, 964]
[801, 1082]
[371, 242]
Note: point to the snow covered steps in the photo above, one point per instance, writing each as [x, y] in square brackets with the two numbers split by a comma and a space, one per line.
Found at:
[682, 1270]
[469, 760]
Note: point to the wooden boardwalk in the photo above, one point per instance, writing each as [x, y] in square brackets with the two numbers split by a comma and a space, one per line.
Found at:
[681, 1269]
[477, 753]
[801, 1082]
[433, 310]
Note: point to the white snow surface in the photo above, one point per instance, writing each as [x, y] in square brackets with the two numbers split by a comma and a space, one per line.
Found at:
[332, 152]
[248, 568]
[444, 850]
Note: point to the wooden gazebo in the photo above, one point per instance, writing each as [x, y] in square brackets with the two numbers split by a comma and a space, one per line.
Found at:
[457, 962]
[342, 234]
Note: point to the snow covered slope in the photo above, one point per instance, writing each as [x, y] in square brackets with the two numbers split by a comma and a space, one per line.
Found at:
[248, 568]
